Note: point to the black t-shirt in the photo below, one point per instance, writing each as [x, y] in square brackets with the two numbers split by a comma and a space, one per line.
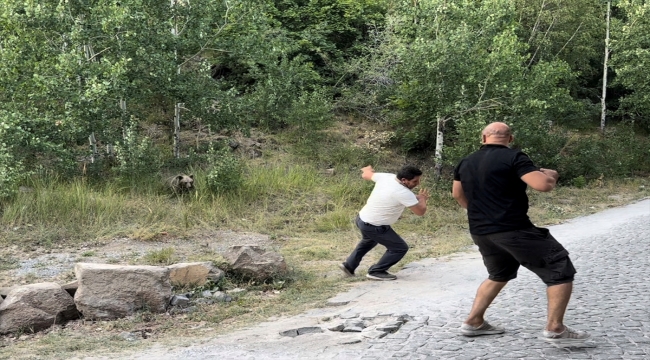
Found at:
[496, 195]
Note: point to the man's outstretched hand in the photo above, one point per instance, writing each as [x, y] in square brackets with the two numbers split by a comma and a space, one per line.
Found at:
[423, 194]
[367, 172]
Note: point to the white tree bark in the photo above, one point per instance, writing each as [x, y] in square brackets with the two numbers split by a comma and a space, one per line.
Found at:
[93, 146]
[124, 119]
[177, 130]
[439, 146]
[603, 106]
[177, 106]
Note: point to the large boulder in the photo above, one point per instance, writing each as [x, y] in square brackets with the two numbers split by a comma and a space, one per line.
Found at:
[36, 307]
[114, 291]
[193, 274]
[255, 262]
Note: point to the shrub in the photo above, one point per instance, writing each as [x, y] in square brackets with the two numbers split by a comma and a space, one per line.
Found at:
[579, 182]
[11, 172]
[225, 171]
[617, 153]
[136, 154]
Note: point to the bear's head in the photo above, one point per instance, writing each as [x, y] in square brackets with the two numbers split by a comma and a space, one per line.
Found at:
[185, 182]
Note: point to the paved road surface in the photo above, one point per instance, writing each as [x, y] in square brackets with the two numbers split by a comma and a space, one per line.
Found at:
[610, 250]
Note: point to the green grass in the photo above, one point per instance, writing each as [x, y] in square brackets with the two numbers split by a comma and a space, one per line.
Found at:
[163, 256]
[8, 263]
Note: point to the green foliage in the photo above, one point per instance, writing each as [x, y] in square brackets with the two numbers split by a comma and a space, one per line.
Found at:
[619, 153]
[224, 172]
[569, 31]
[579, 182]
[287, 65]
[631, 58]
[328, 32]
[286, 95]
[465, 72]
[136, 155]
[11, 172]
[66, 67]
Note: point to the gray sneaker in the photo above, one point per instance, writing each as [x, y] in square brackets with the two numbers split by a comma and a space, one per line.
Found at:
[381, 276]
[345, 270]
[567, 338]
[484, 329]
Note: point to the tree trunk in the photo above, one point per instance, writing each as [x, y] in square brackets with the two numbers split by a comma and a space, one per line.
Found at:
[177, 130]
[93, 147]
[125, 121]
[603, 106]
[439, 144]
[178, 106]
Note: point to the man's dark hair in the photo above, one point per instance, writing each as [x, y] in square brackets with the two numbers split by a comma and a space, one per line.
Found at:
[408, 172]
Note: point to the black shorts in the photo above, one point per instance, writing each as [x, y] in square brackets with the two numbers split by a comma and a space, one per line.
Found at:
[534, 248]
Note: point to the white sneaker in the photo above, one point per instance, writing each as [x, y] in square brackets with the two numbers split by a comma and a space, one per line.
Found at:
[484, 329]
[567, 338]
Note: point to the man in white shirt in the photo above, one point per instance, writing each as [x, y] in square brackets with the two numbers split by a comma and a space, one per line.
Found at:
[391, 194]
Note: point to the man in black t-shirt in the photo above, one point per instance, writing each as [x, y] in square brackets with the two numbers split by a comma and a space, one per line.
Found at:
[491, 184]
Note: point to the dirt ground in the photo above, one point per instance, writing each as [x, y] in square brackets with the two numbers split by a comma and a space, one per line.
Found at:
[21, 266]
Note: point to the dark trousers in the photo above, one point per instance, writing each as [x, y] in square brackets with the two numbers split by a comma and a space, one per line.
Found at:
[372, 235]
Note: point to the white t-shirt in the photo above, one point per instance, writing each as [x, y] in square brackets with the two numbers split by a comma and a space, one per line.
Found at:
[387, 200]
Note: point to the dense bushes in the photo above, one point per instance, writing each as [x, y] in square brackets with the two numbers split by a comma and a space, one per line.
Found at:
[110, 69]
[617, 153]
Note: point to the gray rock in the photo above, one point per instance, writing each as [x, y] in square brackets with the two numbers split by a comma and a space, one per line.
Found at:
[251, 260]
[221, 297]
[354, 323]
[338, 327]
[373, 334]
[390, 326]
[205, 301]
[179, 300]
[353, 329]
[309, 330]
[301, 331]
[289, 333]
[349, 315]
[368, 316]
[36, 307]
[114, 291]
[349, 341]
[332, 302]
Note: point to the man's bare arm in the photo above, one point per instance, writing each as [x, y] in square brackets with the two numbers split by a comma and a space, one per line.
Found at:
[458, 194]
[543, 180]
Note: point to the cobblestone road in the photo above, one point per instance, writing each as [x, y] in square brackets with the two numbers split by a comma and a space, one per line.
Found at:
[611, 300]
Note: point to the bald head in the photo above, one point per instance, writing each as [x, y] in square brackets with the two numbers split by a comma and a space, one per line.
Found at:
[497, 133]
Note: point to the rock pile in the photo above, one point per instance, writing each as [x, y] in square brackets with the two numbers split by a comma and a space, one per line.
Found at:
[105, 291]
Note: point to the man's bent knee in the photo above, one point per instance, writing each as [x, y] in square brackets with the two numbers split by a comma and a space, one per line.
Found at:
[560, 271]
[554, 282]
[497, 278]
[401, 249]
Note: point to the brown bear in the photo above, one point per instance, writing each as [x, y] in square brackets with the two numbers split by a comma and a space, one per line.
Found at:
[182, 183]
